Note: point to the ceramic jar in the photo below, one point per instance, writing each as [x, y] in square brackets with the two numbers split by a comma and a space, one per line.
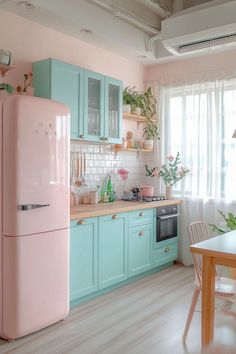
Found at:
[147, 191]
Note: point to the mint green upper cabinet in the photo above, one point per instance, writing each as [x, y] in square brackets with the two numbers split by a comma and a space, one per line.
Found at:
[83, 258]
[94, 100]
[63, 83]
[140, 249]
[94, 106]
[113, 250]
[113, 110]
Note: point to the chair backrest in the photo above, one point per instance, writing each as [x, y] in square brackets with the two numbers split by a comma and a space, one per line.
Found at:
[198, 232]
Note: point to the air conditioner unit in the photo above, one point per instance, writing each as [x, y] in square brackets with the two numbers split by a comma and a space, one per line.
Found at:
[200, 30]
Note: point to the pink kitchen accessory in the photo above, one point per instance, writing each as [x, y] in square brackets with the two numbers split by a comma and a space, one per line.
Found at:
[147, 191]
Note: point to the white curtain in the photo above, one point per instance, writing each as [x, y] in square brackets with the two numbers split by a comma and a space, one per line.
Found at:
[198, 119]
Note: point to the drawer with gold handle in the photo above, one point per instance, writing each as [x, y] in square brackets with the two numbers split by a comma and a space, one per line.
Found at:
[141, 217]
[165, 254]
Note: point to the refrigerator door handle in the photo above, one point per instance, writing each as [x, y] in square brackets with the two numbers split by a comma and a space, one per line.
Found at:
[26, 207]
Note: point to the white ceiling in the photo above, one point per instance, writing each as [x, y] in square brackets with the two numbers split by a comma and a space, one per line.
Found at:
[108, 22]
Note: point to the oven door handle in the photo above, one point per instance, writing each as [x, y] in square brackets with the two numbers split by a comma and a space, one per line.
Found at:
[167, 216]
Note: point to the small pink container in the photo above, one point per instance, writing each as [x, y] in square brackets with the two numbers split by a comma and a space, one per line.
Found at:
[147, 191]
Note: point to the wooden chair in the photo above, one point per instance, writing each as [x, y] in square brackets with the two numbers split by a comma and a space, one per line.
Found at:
[224, 287]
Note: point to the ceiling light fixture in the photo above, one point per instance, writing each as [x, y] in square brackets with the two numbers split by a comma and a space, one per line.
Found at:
[27, 5]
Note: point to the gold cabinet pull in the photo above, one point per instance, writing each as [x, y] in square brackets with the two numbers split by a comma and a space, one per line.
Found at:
[141, 214]
[81, 136]
[141, 233]
[167, 249]
[114, 217]
[81, 222]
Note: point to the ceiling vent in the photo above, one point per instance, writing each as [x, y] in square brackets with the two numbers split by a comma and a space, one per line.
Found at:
[201, 30]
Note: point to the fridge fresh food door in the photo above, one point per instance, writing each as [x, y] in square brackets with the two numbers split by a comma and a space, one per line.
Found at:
[35, 282]
[35, 166]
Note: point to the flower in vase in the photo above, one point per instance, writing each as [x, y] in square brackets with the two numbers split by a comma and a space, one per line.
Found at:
[123, 174]
[171, 173]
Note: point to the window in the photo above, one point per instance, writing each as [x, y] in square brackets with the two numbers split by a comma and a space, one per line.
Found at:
[198, 120]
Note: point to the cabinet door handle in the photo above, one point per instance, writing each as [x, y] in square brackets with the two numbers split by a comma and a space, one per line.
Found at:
[81, 222]
[141, 233]
[114, 217]
[102, 138]
[106, 139]
[27, 207]
[167, 249]
[81, 136]
[141, 214]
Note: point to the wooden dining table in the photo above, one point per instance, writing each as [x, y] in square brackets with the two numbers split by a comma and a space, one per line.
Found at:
[219, 250]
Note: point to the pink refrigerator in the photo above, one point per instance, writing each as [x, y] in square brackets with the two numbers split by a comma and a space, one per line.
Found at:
[34, 217]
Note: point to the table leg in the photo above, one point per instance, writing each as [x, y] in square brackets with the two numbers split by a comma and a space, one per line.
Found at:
[208, 299]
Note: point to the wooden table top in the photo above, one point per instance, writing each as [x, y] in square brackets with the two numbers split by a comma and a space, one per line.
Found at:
[223, 246]
[92, 210]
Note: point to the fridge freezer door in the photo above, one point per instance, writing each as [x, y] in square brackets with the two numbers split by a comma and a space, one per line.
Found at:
[35, 166]
[35, 282]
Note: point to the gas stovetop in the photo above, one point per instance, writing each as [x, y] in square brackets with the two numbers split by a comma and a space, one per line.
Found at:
[154, 198]
[146, 199]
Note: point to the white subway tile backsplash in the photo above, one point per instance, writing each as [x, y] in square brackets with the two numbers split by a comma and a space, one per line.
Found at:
[103, 161]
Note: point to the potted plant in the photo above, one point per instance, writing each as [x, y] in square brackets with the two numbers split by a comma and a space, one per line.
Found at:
[229, 225]
[150, 133]
[5, 89]
[140, 103]
[133, 100]
[128, 99]
[148, 104]
[170, 172]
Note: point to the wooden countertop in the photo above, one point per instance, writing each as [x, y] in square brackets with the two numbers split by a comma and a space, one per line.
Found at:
[92, 210]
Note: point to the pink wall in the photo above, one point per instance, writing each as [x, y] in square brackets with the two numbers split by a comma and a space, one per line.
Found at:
[206, 63]
[29, 42]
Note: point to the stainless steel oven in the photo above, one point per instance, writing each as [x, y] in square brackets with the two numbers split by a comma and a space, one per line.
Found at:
[166, 223]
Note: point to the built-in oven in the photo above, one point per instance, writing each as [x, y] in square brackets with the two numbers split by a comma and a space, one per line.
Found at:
[166, 223]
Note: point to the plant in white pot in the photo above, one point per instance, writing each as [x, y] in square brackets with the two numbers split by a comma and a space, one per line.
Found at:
[150, 133]
[128, 99]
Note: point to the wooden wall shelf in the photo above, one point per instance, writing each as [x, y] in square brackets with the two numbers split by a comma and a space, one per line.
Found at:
[130, 149]
[136, 118]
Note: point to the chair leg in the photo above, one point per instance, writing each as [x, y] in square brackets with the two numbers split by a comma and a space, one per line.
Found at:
[191, 311]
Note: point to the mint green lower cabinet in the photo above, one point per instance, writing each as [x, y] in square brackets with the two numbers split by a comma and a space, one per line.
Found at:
[166, 252]
[140, 249]
[83, 258]
[112, 249]
[107, 250]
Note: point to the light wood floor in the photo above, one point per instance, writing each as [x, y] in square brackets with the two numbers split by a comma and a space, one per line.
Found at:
[144, 317]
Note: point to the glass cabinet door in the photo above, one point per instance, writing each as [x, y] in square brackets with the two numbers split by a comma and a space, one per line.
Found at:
[94, 107]
[113, 110]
